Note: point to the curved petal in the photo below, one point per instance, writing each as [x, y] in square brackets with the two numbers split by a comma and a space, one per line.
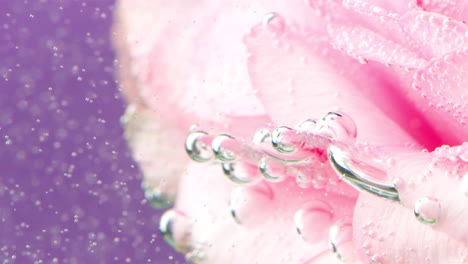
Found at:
[457, 9]
[435, 34]
[433, 207]
[297, 79]
[443, 94]
[267, 218]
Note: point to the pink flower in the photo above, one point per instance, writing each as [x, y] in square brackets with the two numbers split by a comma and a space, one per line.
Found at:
[372, 181]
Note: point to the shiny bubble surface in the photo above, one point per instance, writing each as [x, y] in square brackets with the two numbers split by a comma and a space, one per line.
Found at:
[337, 126]
[313, 220]
[196, 149]
[278, 140]
[171, 218]
[427, 210]
[221, 152]
[240, 172]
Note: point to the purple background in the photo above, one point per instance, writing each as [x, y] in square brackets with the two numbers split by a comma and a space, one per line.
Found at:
[69, 190]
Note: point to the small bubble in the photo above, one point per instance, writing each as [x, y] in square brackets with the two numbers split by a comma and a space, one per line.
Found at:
[312, 221]
[376, 259]
[271, 169]
[181, 240]
[274, 22]
[338, 127]
[246, 201]
[340, 233]
[240, 172]
[196, 149]
[261, 136]
[427, 210]
[221, 152]
[307, 125]
[278, 140]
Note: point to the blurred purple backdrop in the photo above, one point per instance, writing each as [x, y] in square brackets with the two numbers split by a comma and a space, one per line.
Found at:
[69, 190]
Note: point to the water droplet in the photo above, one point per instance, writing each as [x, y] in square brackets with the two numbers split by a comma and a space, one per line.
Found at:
[377, 259]
[278, 140]
[274, 22]
[181, 240]
[427, 210]
[197, 149]
[261, 136]
[271, 169]
[338, 127]
[339, 234]
[356, 173]
[250, 203]
[307, 125]
[399, 183]
[308, 175]
[157, 198]
[313, 220]
[240, 172]
[221, 152]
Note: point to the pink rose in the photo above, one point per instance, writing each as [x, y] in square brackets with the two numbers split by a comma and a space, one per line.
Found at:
[373, 181]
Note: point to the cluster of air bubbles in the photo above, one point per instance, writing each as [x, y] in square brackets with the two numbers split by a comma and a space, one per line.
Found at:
[306, 153]
[274, 153]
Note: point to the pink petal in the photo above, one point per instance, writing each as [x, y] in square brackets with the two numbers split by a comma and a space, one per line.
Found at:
[441, 85]
[457, 9]
[436, 34]
[148, 137]
[382, 7]
[267, 220]
[297, 80]
[365, 44]
[434, 185]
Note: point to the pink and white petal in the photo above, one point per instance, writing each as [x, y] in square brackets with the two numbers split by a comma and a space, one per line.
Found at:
[456, 9]
[297, 79]
[436, 34]
[267, 219]
[391, 9]
[364, 44]
[390, 233]
[207, 81]
[435, 217]
[154, 146]
[441, 86]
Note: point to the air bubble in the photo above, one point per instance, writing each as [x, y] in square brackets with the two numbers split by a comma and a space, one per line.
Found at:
[196, 148]
[221, 152]
[278, 140]
[250, 203]
[274, 22]
[240, 172]
[337, 127]
[181, 240]
[261, 136]
[271, 169]
[356, 173]
[427, 210]
[339, 234]
[313, 220]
